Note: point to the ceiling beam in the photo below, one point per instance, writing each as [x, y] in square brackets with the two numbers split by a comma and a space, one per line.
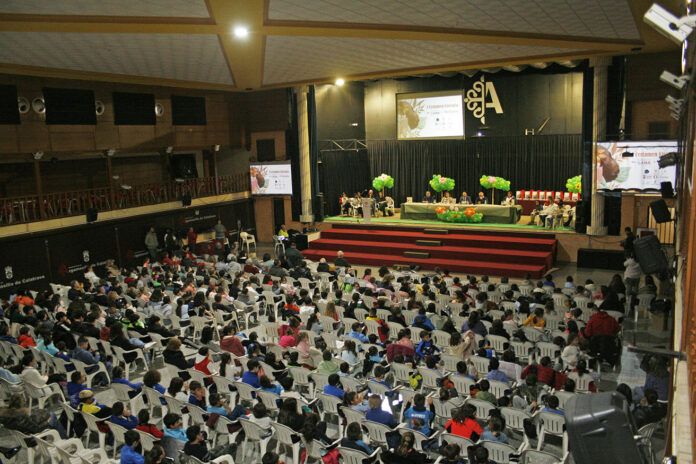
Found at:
[382, 31]
[106, 25]
[244, 56]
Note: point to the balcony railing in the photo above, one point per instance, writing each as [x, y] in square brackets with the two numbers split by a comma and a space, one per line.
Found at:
[32, 208]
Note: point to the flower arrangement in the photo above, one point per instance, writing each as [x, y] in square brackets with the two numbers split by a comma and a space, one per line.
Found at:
[493, 182]
[383, 181]
[441, 183]
[468, 216]
[574, 184]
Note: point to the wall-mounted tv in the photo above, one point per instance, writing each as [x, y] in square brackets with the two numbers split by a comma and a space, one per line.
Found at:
[271, 178]
[633, 165]
[134, 109]
[188, 111]
[429, 115]
[69, 106]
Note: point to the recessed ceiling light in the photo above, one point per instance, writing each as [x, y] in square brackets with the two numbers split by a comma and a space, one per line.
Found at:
[340, 82]
[241, 32]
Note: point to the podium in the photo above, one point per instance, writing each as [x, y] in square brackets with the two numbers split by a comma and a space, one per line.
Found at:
[366, 205]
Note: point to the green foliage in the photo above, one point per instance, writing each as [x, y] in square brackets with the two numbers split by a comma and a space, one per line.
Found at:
[441, 184]
[493, 182]
[574, 184]
[459, 217]
[383, 181]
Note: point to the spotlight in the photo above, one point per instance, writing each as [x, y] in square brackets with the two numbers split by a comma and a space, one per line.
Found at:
[110, 152]
[241, 32]
[170, 149]
[216, 148]
[678, 82]
[38, 155]
[674, 28]
[340, 81]
[670, 159]
[354, 124]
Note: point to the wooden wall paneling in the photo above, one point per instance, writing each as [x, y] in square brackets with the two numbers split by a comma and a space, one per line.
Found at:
[189, 136]
[263, 213]
[106, 136]
[9, 139]
[34, 136]
[66, 138]
[216, 109]
[136, 137]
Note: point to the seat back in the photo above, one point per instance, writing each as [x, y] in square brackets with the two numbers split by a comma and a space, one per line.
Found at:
[252, 430]
[497, 342]
[420, 437]
[481, 365]
[483, 408]
[521, 349]
[352, 415]
[147, 441]
[284, 434]
[121, 391]
[246, 391]
[269, 400]
[498, 452]
[376, 431]
[464, 443]
[450, 362]
[430, 378]
[514, 418]
[351, 383]
[498, 388]
[441, 338]
[548, 349]
[329, 403]
[300, 375]
[531, 456]
[351, 456]
[462, 384]
[553, 424]
[402, 372]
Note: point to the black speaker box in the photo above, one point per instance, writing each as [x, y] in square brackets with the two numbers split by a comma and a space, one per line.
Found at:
[186, 199]
[301, 241]
[91, 214]
[666, 190]
[649, 255]
[580, 218]
[319, 207]
[611, 260]
[660, 211]
[601, 429]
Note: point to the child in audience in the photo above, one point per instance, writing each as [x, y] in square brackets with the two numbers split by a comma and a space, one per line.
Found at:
[327, 366]
[494, 431]
[426, 347]
[260, 416]
[268, 386]
[145, 426]
[450, 454]
[121, 415]
[219, 405]
[78, 382]
[464, 424]
[484, 394]
[25, 340]
[196, 394]
[418, 417]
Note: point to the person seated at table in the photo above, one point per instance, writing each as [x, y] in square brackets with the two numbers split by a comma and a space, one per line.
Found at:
[382, 203]
[535, 212]
[481, 200]
[509, 199]
[429, 198]
[447, 199]
[549, 211]
[344, 201]
[465, 199]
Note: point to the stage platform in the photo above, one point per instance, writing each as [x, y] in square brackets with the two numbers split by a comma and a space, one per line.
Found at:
[396, 221]
[459, 249]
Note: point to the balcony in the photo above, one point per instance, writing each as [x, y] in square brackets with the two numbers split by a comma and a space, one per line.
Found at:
[33, 208]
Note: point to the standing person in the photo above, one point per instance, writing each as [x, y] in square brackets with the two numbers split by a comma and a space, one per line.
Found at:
[465, 199]
[170, 242]
[220, 230]
[481, 200]
[151, 243]
[627, 243]
[191, 237]
[631, 274]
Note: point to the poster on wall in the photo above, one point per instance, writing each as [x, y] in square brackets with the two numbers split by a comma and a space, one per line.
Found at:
[429, 115]
[271, 178]
[633, 165]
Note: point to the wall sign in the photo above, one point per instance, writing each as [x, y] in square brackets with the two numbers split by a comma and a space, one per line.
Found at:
[481, 96]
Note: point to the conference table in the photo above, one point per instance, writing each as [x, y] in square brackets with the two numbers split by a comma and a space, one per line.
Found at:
[497, 214]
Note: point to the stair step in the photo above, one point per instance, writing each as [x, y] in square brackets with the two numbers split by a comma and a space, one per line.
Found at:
[429, 242]
[417, 254]
[436, 231]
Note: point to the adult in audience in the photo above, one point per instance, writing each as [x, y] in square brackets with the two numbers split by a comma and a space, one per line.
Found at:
[632, 275]
[405, 453]
[340, 260]
[293, 255]
[377, 414]
[173, 355]
[464, 424]
[18, 416]
[151, 243]
[649, 409]
[289, 416]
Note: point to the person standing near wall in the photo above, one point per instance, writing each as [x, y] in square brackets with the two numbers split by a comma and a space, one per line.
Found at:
[151, 243]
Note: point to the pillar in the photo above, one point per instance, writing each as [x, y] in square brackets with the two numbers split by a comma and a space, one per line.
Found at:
[39, 188]
[600, 65]
[305, 165]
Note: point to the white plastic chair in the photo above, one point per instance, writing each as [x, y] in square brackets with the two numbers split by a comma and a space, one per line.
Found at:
[352, 456]
[451, 439]
[247, 240]
[499, 452]
[377, 432]
[549, 423]
[481, 365]
[254, 434]
[530, 456]
[483, 408]
[284, 436]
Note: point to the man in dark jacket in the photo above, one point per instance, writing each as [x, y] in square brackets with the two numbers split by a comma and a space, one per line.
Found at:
[293, 255]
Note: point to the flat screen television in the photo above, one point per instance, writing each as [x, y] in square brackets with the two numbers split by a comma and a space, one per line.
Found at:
[136, 109]
[69, 106]
[634, 165]
[271, 178]
[429, 115]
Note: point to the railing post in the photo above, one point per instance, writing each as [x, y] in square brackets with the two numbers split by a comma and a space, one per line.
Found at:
[39, 188]
[110, 180]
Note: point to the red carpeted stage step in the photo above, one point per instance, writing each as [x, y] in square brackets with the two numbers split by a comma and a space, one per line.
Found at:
[494, 253]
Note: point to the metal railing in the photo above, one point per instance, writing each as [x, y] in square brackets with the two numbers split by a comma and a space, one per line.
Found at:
[32, 208]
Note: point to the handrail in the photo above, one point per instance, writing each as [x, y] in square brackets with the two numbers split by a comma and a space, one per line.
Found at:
[23, 209]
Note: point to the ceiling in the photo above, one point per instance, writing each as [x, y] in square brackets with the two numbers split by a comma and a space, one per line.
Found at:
[189, 43]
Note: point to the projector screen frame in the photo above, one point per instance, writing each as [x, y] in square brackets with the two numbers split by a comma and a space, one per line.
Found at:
[271, 163]
[442, 93]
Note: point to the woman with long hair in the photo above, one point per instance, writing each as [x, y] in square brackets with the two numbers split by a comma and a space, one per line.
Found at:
[288, 415]
[405, 453]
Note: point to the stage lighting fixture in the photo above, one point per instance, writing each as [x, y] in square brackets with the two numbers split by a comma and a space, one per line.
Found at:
[674, 28]
[38, 155]
[678, 82]
[110, 152]
[170, 149]
[670, 159]
[241, 32]
[340, 82]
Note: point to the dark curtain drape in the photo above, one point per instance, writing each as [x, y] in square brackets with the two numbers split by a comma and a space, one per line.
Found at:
[343, 171]
[528, 162]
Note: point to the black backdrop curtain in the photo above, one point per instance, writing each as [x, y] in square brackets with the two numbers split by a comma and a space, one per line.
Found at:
[528, 162]
[343, 171]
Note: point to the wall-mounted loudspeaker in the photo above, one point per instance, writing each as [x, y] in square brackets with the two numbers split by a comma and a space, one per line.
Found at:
[666, 190]
[186, 199]
[660, 211]
[650, 256]
[91, 214]
[23, 105]
[38, 105]
[99, 107]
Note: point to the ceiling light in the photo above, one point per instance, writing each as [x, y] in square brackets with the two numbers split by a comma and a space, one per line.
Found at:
[241, 32]
[340, 82]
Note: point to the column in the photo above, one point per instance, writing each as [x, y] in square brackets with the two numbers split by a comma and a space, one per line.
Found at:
[305, 167]
[599, 132]
[39, 189]
[110, 180]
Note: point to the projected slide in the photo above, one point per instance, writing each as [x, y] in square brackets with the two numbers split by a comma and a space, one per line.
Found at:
[633, 165]
[271, 179]
[429, 115]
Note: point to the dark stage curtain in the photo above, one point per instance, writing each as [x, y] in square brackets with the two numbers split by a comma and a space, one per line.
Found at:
[539, 162]
[343, 171]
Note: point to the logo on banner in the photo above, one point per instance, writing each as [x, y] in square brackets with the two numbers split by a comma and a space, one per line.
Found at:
[85, 256]
[481, 97]
[8, 272]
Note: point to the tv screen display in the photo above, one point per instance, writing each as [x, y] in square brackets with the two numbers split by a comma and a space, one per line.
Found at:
[188, 111]
[429, 115]
[633, 165]
[69, 106]
[271, 178]
[134, 108]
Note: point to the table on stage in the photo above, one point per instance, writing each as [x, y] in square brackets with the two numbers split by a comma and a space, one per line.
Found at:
[491, 213]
